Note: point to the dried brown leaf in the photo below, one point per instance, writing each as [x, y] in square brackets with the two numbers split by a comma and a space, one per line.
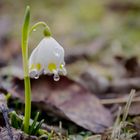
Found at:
[69, 100]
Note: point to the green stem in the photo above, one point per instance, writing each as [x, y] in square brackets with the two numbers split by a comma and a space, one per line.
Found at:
[25, 35]
[24, 46]
[47, 31]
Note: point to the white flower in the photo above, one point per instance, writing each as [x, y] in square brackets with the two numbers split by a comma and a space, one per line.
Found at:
[47, 58]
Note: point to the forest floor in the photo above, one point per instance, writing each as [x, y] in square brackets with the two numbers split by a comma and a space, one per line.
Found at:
[102, 46]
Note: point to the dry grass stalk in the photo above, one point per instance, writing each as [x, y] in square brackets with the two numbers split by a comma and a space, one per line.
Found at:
[118, 131]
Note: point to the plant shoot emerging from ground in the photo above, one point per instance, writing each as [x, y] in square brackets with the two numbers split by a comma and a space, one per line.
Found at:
[46, 58]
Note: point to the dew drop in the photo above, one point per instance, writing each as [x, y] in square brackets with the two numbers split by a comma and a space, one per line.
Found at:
[33, 73]
[36, 76]
[56, 77]
[34, 30]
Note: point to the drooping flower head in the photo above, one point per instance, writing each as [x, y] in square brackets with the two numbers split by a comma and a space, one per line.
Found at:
[47, 58]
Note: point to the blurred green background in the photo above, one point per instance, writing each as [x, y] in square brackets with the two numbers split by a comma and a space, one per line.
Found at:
[76, 23]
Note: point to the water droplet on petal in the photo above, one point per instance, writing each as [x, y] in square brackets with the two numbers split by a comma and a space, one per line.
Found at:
[56, 77]
[36, 76]
[33, 73]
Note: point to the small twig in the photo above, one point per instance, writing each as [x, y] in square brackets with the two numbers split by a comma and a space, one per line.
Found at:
[4, 111]
[126, 108]
[94, 137]
[117, 131]
[118, 100]
[116, 128]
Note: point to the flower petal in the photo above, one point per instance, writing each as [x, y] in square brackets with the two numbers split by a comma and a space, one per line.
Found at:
[47, 57]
